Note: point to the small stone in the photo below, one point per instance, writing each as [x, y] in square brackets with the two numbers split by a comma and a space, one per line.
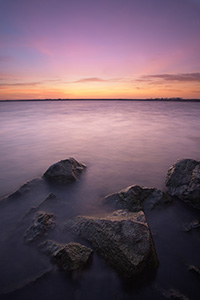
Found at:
[41, 224]
[72, 256]
[69, 257]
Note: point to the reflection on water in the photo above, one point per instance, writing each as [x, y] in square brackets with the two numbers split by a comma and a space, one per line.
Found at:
[122, 143]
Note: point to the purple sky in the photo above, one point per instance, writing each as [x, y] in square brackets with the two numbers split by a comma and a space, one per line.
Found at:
[99, 49]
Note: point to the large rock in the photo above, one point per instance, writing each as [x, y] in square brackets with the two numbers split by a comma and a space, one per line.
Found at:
[122, 238]
[41, 224]
[183, 181]
[64, 171]
[69, 257]
[135, 198]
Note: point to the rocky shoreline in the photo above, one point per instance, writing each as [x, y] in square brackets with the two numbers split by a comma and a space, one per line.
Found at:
[122, 238]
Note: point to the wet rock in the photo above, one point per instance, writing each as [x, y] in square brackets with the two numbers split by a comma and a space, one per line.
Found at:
[72, 256]
[64, 171]
[122, 238]
[194, 269]
[48, 204]
[194, 224]
[50, 247]
[69, 257]
[51, 199]
[41, 224]
[183, 181]
[174, 295]
[135, 198]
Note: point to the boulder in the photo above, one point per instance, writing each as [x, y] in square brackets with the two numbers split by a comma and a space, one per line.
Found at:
[69, 257]
[194, 224]
[64, 171]
[135, 198]
[122, 239]
[41, 224]
[183, 181]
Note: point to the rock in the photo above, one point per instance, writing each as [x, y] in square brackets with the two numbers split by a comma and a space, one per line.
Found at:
[49, 203]
[174, 295]
[194, 224]
[183, 181]
[72, 256]
[122, 238]
[194, 269]
[64, 171]
[51, 199]
[41, 224]
[24, 189]
[69, 257]
[50, 247]
[135, 197]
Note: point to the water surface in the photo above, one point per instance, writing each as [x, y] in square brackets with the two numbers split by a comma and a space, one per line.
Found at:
[122, 143]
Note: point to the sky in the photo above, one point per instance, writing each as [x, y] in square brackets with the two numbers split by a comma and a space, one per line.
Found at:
[99, 49]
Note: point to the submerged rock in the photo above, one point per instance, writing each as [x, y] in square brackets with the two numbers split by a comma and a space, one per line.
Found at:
[194, 224]
[174, 294]
[69, 257]
[49, 203]
[41, 224]
[24, 189]
[183, 181]
[194, 269]
[51, 199]
[135, 197]
[50, 247]
[64, 171]
[122, 238]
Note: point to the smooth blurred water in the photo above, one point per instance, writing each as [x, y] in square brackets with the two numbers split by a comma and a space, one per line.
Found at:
[122, 143]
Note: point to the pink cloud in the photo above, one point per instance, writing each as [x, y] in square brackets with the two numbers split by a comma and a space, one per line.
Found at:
[185, 77]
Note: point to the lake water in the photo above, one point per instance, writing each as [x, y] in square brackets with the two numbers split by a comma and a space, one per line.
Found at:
[122, 143]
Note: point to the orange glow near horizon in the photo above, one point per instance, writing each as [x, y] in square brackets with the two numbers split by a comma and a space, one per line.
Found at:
[100, 90]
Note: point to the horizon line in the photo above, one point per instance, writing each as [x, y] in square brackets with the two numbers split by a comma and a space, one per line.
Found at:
[175, 99]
